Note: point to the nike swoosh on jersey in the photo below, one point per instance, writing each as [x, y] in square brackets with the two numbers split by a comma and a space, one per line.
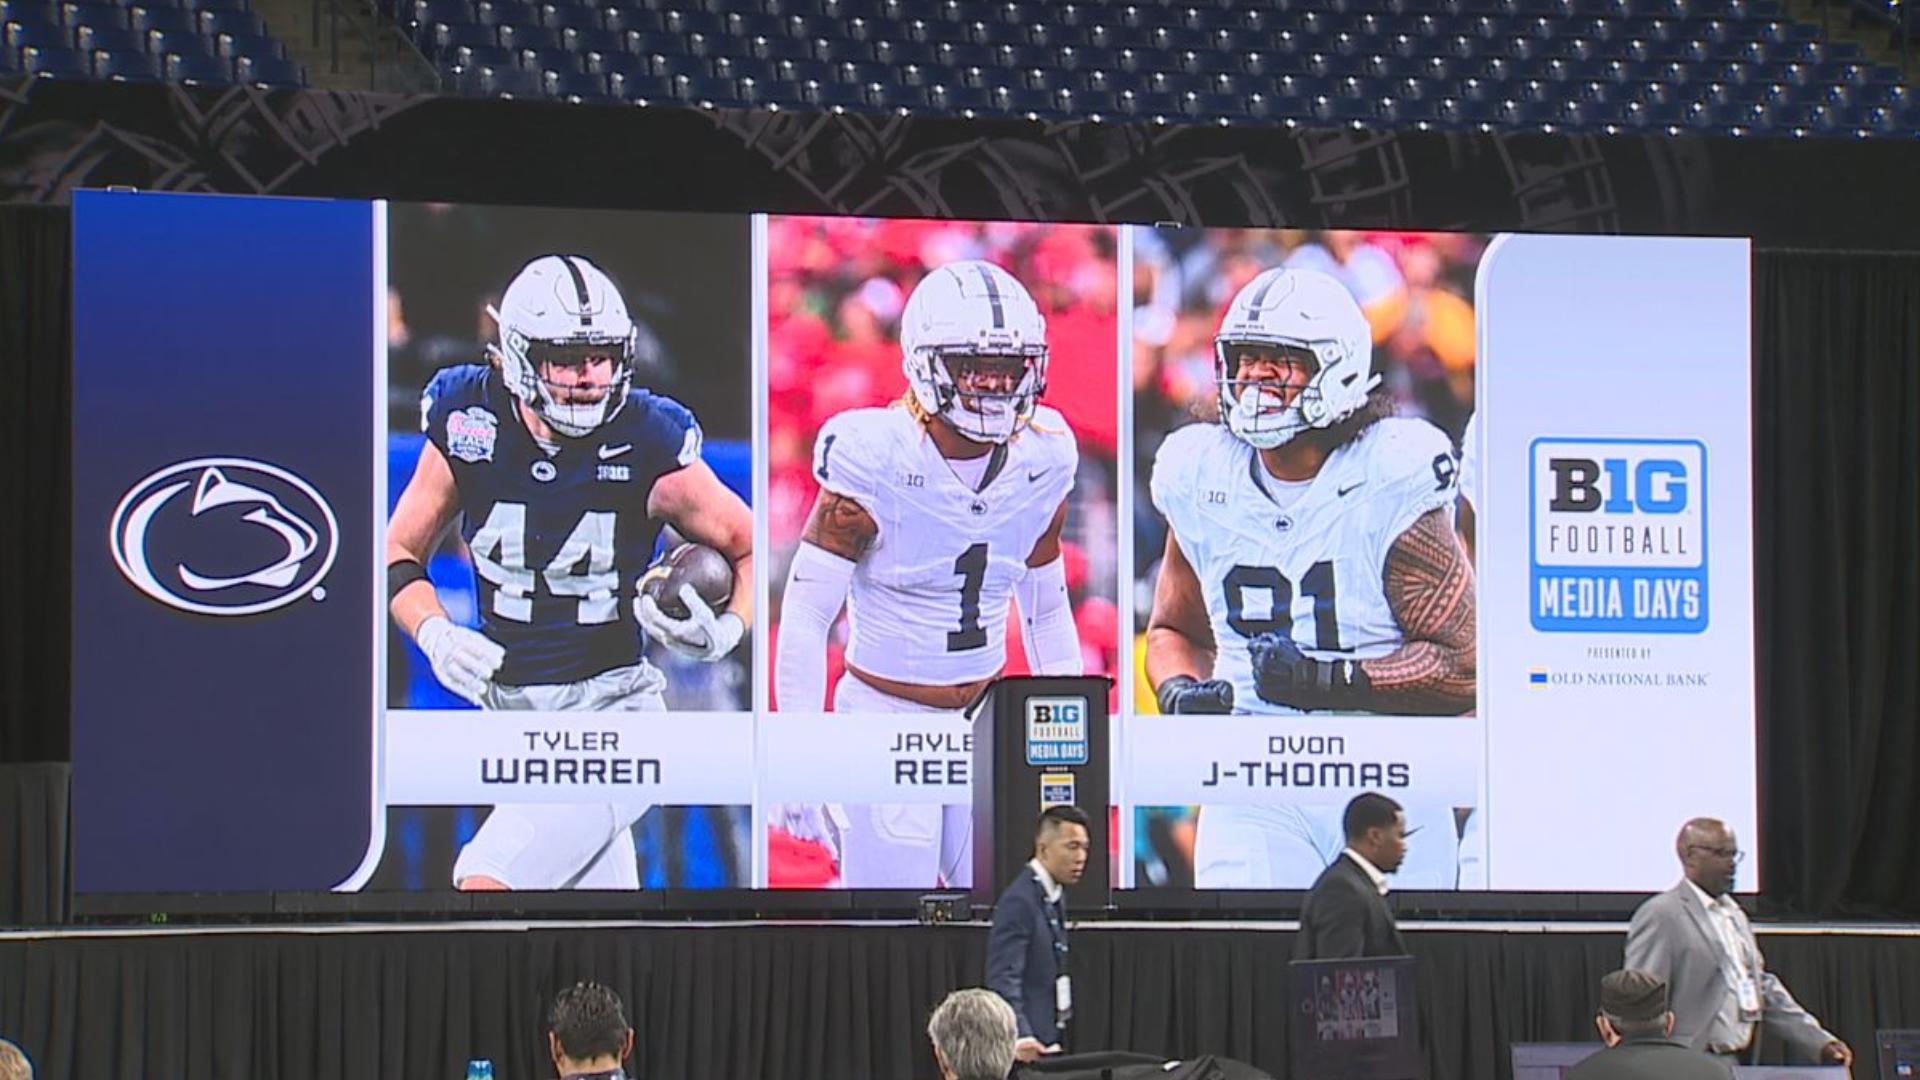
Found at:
[607, 452]
[1342, 493]
[1032, 475]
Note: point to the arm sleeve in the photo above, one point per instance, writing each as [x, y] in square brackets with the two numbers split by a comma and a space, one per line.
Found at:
[841, 462]
[1046, 628]
[1782, 1012]
[433, 410]
[1647, 948]
[1006, 962]
[1421, 473]
[817, 584]
[674, 432]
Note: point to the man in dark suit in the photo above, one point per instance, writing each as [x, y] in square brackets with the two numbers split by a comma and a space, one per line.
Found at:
[1637, 1027]
[1027, 948]
[1346, 914]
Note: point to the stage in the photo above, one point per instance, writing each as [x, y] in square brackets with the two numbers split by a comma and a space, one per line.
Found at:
[798, 1001]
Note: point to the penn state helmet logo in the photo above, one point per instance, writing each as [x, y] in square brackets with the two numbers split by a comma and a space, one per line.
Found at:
[224, 536]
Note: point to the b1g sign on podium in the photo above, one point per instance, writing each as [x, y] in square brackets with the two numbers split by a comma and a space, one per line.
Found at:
[1039, 742]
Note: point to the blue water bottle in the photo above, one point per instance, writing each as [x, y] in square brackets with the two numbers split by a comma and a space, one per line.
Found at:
[479, 1069]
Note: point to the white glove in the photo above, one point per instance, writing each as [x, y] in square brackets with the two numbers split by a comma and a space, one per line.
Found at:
[702, 635]
[818, 822]
[463, 660]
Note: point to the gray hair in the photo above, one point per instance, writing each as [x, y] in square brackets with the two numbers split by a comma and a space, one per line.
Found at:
[974, 1031]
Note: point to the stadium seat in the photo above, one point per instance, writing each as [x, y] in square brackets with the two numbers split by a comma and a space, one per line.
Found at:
[215, 23]
[122, 65]
[177, 42]
[108, 38]
[37, 36]
[162, 19]
[196, 67]
[574, 85]
[55, 62]
[264, 70]
[509, 82]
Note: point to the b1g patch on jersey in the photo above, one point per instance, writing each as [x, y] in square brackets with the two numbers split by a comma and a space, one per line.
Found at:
[1056, 731]
[1619, 535]
[471, 433]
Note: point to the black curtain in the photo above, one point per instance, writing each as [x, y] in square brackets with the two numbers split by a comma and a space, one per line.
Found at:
[792, 1002]
[35, 879]
[1837, 531]
[35, 336]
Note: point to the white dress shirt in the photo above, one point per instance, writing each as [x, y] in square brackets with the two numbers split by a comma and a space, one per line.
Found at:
[1048, 886]
[1373, 872]
[1723, 914]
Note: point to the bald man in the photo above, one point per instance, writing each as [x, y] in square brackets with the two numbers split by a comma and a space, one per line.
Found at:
[13, 1063]
[1696, 939]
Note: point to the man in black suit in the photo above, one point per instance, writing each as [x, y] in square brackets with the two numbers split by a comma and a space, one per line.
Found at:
[1027, 948]
[1346, 914]
[1637, 1027]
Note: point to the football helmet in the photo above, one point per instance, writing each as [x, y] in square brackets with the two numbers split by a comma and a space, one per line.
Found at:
[563, 309]
[1294, 309]
[969, 310]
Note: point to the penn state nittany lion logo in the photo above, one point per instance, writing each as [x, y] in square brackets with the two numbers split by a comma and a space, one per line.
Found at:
[250, 538]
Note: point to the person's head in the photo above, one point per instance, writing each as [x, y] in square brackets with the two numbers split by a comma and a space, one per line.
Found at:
[1377, 830]
[587, 1030]
[973, 1033]
[1633, 1005]
[13, 1063]
[1709, 853]
[567, 344]
[1061, 843]
[973, 346]
[1293, 354]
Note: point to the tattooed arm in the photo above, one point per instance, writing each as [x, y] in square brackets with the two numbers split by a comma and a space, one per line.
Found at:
[1429, 585]
[838, 533]
[841, 526]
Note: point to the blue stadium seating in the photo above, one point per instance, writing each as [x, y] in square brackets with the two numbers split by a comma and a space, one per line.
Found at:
[1707, 66]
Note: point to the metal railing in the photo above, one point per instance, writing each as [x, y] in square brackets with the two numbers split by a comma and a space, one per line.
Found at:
[393, 62]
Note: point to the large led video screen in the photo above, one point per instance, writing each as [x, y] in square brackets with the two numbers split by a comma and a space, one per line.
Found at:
[423, 547]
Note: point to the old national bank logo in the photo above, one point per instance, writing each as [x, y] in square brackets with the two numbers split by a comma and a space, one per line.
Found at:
[224, 536]
[1619, 535]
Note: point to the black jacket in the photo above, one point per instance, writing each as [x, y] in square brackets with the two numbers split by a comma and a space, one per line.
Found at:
[1026, 949]
[1651, 1059]
[1345, 917]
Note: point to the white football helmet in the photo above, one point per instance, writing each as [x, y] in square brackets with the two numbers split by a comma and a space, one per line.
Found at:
[968, 309]
[563, 309]
[1298, 309]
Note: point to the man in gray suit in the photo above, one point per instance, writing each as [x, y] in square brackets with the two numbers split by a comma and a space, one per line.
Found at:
[1637, 1027]
[1696, 939]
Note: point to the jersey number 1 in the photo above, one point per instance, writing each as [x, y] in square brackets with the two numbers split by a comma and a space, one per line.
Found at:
[500, 558]
[971, 566]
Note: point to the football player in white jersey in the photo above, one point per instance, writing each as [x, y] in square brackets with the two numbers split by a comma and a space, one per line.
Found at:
[1311, 563]
[933, 514]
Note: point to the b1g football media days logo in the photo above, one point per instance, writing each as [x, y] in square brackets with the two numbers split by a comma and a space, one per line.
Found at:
[224, 536]
[1619, 535]
[1057, 731]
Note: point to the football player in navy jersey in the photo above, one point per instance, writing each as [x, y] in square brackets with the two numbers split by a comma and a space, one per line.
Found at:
[563, 474]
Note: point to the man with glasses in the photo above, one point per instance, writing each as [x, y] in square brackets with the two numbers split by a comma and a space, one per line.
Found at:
[1697, 939]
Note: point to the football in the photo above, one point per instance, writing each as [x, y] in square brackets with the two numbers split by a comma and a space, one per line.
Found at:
[688, 564]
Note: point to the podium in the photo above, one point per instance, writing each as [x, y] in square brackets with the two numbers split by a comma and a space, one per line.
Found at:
[1038, 742]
